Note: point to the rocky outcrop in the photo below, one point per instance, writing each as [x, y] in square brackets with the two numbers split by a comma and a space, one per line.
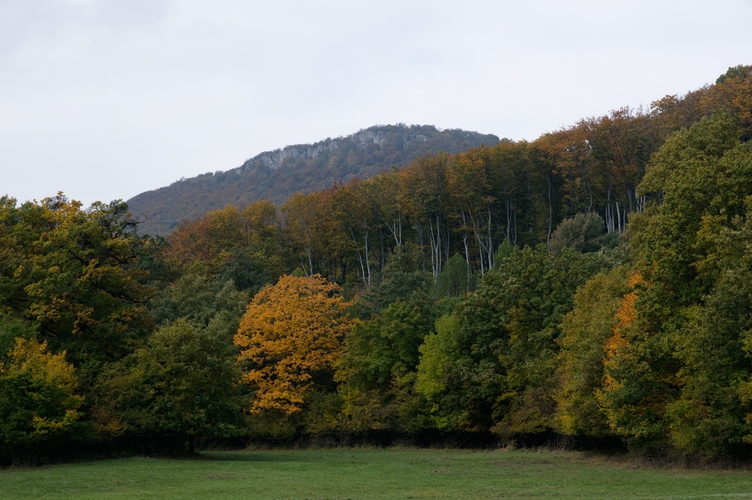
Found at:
[375, 135]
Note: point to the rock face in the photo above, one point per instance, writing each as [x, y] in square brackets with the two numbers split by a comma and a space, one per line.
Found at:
[275, 175]
[374, 135]
[274, 159]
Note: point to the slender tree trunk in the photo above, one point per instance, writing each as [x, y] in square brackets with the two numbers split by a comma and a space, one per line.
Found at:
[395, 228]
[447, 240]
[514, 216]
[302, 264]
[382, 258]
[359, 256]
[629, 197]
[310, 258]
[420, 243]
[436, 247]
[550, 213]
[464, 242]
[480, 245]
[618, 217]
[509, 217]
[368, 264]
[490, 245]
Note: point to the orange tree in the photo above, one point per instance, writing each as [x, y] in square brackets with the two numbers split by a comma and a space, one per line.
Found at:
[291, 334]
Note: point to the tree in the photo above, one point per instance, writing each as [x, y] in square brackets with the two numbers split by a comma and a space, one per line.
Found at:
[233, 243]
[733, 92]
[427, 202]
[455, 279]
[712, 413]
[377, 368]
[197, 299]
[386, 347]
[291, 333]
[674, 368]
[85, 288]
[181, 385]
[437, 354]
[584, 233]
[504, 376]
[585, 331]
[354, 213]
[38, 400]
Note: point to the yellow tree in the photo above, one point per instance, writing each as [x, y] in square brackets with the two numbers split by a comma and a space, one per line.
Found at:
[38, 400]
[291, 333]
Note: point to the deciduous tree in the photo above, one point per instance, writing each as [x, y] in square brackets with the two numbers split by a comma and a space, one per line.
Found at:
[291, 333]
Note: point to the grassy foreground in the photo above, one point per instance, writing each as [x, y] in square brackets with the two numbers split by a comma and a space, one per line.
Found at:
[371, 474]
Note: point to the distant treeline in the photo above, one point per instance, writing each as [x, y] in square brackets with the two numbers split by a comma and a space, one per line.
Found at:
[276, 175]
[594, 284]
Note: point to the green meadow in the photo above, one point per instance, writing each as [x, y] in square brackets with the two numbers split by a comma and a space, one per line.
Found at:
[373, 474]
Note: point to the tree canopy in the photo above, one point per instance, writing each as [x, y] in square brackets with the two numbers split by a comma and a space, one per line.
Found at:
[593, 286]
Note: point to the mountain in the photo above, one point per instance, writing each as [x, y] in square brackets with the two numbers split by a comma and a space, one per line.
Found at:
[275, 175]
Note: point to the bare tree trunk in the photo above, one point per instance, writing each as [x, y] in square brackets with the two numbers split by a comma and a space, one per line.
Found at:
[447, 239]
[421, 245]
[359, 256]
[629, 197]
[509, 217]
[618, 217]
[480, 245]
[382, 258]
[395, 228]
[514, 216]
[310, 258]
[480, 255]
[435, 241]
[608, 218]
[464, 242]
[302, 264]
[368, 263]
[550, 213]
[490, 245]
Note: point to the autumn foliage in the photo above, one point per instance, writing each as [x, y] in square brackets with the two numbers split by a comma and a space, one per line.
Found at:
[290, 332]
[593, 285]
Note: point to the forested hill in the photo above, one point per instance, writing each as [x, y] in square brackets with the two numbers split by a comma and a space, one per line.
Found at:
[275, 175]
[592, 287]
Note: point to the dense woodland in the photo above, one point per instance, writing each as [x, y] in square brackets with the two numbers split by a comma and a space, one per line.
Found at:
[276, 175]
[593, 286]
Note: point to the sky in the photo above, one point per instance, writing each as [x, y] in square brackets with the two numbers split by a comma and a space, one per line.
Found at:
[105, 99]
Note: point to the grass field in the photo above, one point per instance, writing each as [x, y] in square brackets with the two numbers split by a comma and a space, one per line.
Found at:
[371, 474]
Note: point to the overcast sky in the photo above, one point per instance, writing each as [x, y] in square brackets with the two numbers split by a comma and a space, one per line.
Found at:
[105, 99]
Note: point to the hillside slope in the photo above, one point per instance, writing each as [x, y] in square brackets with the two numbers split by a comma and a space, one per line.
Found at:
[275, 175]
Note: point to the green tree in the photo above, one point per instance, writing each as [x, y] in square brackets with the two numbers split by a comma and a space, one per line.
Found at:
[711, 414]
[377, 367]
[585, 330]
[455, 279]
[181, 386]
[504, 377]
[584, 233]
[39, 403]
[85, 290]
[675, 369]
[437, 354]
[197, 299]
